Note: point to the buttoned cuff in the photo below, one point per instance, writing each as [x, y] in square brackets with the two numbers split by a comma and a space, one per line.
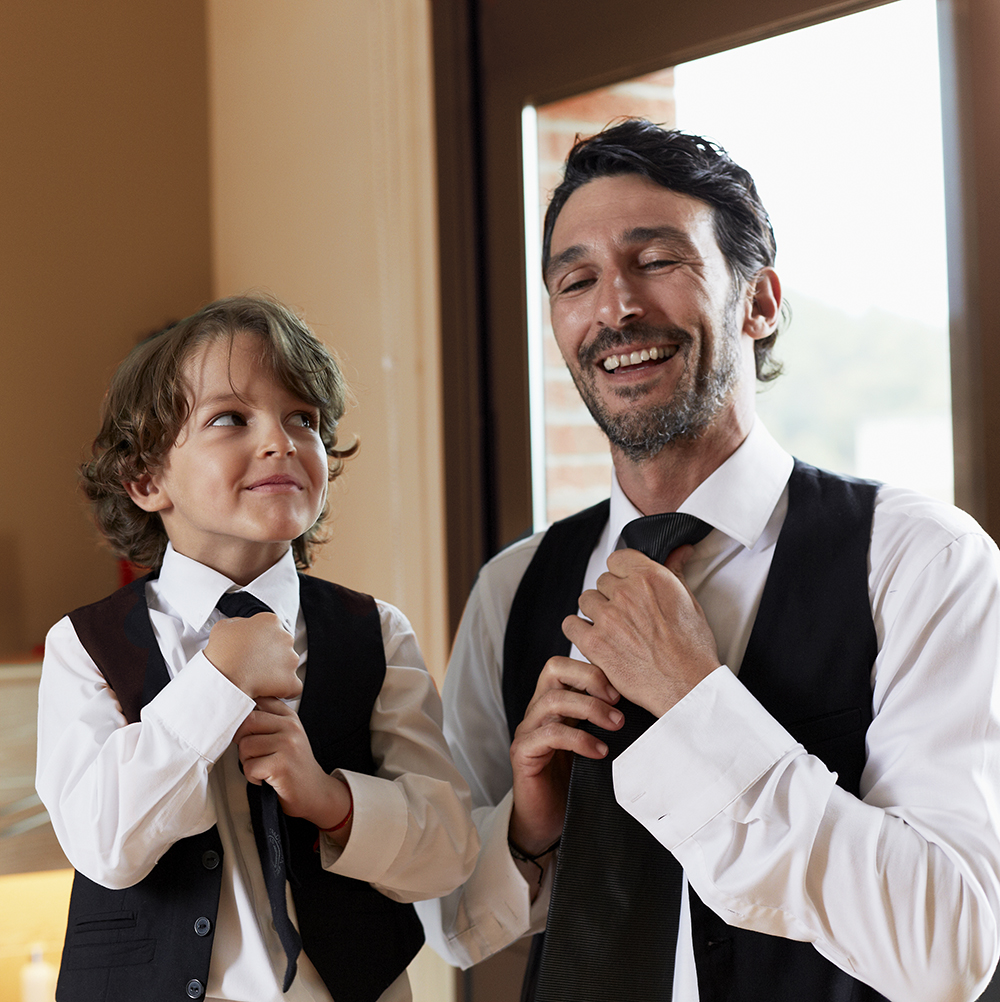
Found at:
[496, 903]
[698, 758]
[200, 707]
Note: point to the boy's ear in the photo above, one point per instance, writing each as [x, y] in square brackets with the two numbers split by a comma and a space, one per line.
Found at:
[147, 493]
[764, 307]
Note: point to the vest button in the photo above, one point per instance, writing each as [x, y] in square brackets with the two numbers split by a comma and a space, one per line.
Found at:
[195, 989]
[202, 926]
[210, 860]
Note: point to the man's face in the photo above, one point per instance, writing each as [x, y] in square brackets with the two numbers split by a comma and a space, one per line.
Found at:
[645, 312]
[248, 472]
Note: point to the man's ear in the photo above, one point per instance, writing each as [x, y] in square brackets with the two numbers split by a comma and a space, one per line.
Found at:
[764, 308]
[148, 493]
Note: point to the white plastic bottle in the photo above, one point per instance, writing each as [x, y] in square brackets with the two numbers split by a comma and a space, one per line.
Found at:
[38, 978]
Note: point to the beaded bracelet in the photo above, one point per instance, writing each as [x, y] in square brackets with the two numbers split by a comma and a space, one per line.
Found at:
[518, 853]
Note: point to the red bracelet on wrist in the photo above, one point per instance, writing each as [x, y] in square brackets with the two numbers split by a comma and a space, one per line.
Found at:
[347, 817]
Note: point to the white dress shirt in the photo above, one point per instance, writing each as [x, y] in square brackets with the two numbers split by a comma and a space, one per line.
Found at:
[120, 795]
[899, 888]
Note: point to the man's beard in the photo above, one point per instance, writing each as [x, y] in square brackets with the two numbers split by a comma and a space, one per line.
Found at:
[697, 400]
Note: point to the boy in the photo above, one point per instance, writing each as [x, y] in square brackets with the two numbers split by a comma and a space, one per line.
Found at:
[168, 732]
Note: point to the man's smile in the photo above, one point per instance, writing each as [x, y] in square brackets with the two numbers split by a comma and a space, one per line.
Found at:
[655, 354]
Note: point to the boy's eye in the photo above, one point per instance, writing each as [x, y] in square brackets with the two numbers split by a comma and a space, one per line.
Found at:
[306, 420]
[228, 420]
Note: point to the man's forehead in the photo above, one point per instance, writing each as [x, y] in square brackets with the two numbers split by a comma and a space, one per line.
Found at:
[626, 209]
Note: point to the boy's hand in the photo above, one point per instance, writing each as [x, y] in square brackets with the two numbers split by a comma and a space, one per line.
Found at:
[257, 655]
[273, 746]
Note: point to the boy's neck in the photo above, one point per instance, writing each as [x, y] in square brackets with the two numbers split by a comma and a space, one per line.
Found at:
[240, 564]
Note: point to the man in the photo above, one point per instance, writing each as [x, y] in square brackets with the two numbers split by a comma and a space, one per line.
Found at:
[817, 665]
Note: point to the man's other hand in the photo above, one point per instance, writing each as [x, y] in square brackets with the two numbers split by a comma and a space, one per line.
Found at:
[647, 631]
[567, 693]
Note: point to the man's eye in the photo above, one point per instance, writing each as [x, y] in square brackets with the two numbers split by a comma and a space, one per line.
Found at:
[228, 420]
[658, 263]
[580, 283]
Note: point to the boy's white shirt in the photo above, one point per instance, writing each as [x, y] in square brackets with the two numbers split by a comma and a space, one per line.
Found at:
[120, 795]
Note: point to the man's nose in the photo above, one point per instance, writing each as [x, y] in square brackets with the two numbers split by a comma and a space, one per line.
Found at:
[619, 300]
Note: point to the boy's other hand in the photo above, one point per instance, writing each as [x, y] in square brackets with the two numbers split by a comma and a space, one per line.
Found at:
[257, 655]
[274, 747]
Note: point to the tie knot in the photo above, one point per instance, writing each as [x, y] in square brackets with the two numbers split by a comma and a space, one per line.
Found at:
[658, 535]
[241, 605]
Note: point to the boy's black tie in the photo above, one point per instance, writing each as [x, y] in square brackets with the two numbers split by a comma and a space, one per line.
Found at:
[612, 924]
[268, 820]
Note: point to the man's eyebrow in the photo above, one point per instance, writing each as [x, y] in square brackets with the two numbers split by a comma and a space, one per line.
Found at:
[569, 256]
[644, 234]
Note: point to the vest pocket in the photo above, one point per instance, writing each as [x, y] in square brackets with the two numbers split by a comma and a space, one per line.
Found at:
[100, 921]
[83, 956]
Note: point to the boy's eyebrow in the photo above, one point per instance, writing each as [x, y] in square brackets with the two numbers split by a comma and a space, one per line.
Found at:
[218, 398]
[636, 235]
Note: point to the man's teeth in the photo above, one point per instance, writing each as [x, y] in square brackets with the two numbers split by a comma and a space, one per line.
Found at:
[634, 358]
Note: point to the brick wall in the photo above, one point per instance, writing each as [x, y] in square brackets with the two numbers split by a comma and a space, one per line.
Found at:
[578, 466]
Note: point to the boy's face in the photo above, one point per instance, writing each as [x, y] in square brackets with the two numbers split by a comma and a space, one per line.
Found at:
[248, 472]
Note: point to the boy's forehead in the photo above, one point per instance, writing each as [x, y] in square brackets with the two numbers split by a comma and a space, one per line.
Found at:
[218, 368]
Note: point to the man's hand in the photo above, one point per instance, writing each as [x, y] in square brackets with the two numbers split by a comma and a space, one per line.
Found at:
[567, 692]
[648, 633]
[273, 747]
[257, 655]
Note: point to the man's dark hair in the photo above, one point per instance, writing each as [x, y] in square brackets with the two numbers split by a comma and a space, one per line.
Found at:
[689, 165]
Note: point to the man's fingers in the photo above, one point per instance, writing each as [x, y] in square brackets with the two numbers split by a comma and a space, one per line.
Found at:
[678, 558]
[566, 705]
[578, 676]
[535, 747]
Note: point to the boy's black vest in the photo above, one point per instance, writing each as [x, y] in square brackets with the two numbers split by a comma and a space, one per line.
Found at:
[153, 941]
[808, 661]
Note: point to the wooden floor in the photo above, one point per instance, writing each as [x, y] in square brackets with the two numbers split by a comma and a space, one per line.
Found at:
[27, 842]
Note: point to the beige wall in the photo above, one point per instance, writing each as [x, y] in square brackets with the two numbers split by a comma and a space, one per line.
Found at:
[322, 193]
[155, 156]
[104, 234]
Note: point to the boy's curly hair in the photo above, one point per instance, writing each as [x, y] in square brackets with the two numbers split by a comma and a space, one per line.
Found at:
[148, 402]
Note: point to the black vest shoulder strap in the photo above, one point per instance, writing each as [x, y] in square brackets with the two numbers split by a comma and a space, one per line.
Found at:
[358, 940]
[813, 644]
[117, 634]
[547, 594]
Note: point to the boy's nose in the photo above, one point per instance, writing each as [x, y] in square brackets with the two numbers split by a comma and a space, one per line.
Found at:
[276, 440]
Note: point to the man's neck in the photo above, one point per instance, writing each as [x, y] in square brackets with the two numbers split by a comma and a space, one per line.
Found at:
[663, 482]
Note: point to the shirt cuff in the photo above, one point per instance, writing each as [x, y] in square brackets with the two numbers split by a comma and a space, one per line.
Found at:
[377, 831]
[698, 758]
[200, 707]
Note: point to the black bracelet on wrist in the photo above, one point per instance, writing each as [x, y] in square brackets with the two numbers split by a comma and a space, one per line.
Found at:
[518, 853]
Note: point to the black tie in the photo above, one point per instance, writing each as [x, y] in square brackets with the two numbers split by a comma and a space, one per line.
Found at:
[268, 820]
[612, 923]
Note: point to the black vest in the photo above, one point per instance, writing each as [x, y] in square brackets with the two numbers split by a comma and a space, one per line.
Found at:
[153, 941]
[808, 661]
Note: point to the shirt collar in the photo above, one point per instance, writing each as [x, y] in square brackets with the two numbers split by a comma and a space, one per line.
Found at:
[193, 589]
[738, 498]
